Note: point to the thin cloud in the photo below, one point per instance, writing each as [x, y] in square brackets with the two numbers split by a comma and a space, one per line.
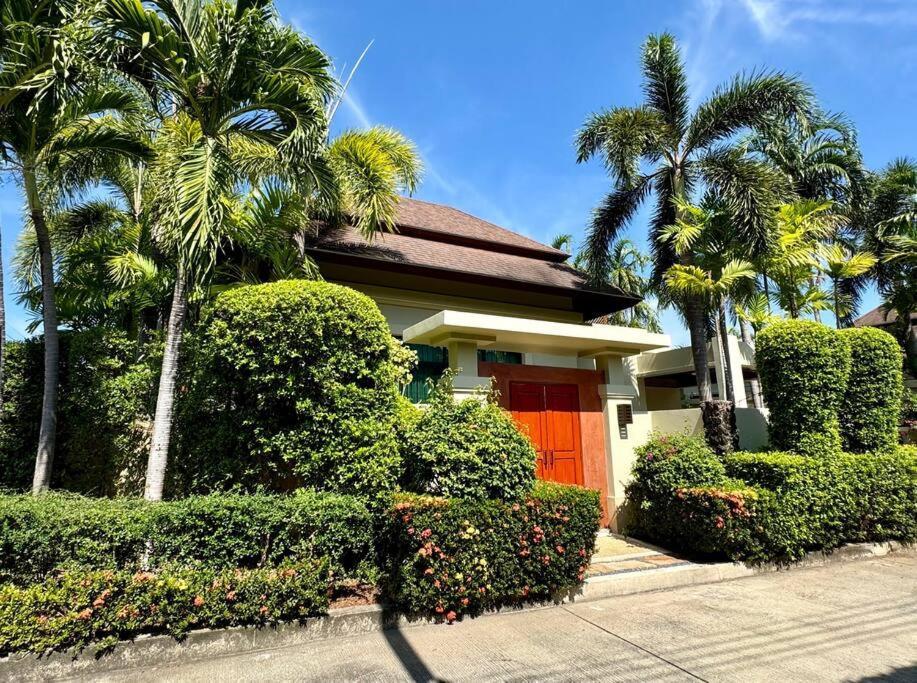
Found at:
[778, 19]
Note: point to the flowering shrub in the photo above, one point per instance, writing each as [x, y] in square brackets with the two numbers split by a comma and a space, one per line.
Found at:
[719, 520]
[662, 465]
[454, 557]
[760, 507]
[41, 534]
[74, 608]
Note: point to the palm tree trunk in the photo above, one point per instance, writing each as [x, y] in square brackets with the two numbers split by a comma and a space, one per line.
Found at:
[165, 399]
[695, 312]
[726, 355]
[837, 305]
[754, 383]
[47, 431]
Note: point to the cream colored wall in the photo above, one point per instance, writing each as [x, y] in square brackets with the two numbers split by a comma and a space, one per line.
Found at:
[403, 307]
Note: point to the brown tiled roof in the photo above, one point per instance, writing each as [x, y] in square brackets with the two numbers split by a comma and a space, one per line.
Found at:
[454, 225]
[464, 248]
[877, 317]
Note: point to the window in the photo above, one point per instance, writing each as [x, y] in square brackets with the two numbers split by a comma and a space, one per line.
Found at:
[433, 360]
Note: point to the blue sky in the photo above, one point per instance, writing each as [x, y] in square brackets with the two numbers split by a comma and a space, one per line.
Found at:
[493, 92]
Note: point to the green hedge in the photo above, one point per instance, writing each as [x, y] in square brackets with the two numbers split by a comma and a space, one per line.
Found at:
[453, 557]
[467, 449]
[803, 367]
[770, 506]
[75, 608]
[40, 535]
[872, 402]
[292, 383]
[105, 404]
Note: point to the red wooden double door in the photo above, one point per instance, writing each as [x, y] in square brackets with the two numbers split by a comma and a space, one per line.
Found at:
[549, 413]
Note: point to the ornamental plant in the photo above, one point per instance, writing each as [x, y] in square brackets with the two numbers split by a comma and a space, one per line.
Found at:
[293, 383]
[77, 607]
[467, 449]
[451, 558]
[804, 367]
[872, 402]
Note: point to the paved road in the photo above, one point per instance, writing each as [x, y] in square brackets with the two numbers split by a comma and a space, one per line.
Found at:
[846, 622]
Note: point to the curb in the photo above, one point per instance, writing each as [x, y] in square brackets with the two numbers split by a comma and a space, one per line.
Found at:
[151, 651]
[664, 578]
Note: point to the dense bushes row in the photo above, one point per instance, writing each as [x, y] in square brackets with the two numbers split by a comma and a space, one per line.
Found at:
[40, 535]
[75, 608]
[769, 506]
[829, 390]
[461, 557]
[77, 570]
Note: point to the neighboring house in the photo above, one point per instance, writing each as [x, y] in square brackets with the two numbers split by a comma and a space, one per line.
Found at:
[491, 303]
[888, 320]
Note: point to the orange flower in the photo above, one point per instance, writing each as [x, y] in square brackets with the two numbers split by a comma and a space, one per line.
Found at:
[198, 601]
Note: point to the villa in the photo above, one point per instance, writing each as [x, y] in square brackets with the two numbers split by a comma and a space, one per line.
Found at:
[493, 304]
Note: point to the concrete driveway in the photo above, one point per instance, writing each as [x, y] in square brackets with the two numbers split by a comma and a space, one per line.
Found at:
[848, 621]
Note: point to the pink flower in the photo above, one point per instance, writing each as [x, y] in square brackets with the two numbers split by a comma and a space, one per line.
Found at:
[198, 601]
[426, 533]
[450, 616]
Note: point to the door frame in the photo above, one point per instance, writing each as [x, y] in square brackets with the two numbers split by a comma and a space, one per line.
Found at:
[594, 457]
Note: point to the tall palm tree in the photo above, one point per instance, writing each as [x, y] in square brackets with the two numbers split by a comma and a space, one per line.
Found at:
[823, 162]
[683, 152]
[891, 234]
[52, 112]
[716, 271]
[249, 99]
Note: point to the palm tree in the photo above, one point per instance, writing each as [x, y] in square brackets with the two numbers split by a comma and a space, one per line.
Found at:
[792, 263]
[822, 158]
[685, 151]
[891, 234]
[716, 271]
[823, 162]
[250, 100]
[52, 112]
[840, 265]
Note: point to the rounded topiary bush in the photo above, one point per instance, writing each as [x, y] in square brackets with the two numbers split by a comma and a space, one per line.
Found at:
[803, 367]
[467, 449]
[872, 403]
[292, 383]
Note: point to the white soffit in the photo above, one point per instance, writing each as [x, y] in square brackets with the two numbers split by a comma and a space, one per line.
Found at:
[526, 335]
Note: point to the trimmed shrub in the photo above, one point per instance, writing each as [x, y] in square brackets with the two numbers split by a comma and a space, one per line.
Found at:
[53, 531]
[292, 383]
[75, 608]
[772, 506]
[104, 411]
[467, 449]
[884, 495]
[662, 465]
[872, 403]
[452, 557]
[812, 499]
[718, 521]
[803, 367]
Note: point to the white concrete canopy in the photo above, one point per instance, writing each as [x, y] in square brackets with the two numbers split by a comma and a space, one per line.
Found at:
[526, 335]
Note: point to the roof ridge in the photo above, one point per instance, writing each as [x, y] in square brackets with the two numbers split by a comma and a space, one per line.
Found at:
[536, 245]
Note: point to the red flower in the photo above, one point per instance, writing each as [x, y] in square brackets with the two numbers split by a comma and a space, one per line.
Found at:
[426, 533]
[560, 549]
[450, 616]
[720, 523]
